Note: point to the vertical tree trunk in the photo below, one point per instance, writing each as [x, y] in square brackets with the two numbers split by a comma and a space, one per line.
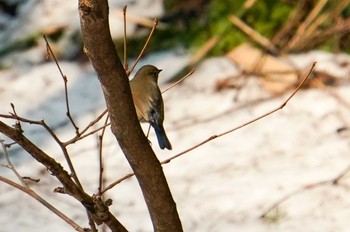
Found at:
[124, 124]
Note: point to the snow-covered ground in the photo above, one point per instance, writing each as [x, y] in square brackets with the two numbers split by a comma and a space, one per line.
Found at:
[224, 185]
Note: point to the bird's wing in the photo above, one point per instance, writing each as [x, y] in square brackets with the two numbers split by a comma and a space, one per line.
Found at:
[156, 113]
[141, 107]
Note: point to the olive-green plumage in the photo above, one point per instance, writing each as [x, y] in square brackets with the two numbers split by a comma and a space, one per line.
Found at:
[149, 102]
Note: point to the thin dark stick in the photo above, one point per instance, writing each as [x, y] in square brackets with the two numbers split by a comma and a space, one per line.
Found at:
[65, 80]
[124, 17]
[117, 182]
[177, 82]
[155, 24]
[148, 130]
[93, 131]
[100, 139]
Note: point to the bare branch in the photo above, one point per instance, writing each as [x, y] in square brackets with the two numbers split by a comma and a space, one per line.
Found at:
[179, 81]
[91, 124]
[65, 80]
[155, 24]
[124, 18]
[93, 132]
[10, 165]
[100, 139]
[117, 182]
[43, 202]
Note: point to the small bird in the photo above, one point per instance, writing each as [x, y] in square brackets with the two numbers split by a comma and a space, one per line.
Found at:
[149, 102]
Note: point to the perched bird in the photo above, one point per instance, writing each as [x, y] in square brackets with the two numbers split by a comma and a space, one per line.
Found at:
[149, 102]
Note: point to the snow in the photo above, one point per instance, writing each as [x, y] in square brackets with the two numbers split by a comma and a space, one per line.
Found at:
[224, 185]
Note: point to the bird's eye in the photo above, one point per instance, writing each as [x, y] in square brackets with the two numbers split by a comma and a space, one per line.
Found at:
[155, 73]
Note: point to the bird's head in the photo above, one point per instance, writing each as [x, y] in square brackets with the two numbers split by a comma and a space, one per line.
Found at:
[149, 71]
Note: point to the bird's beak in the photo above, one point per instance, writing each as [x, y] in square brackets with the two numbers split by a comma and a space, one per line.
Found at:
[159, 70]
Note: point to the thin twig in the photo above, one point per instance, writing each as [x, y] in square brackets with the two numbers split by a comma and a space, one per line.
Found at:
[141, 20]
[223, 133]
[177, 82]
[100, 139]
[10, 165]
[124, 18]
[155, 24]
[65, 152]
[54, 136]
[65, 80]
[117, 182]
[92, 132]
[5, 165]
[17, 123]
[81, 135]
[341, 175]
[71, 141]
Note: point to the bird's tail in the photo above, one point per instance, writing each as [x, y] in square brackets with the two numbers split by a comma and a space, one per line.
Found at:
[163, 140]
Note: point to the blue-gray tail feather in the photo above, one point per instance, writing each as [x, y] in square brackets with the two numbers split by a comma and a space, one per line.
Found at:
[163, 140]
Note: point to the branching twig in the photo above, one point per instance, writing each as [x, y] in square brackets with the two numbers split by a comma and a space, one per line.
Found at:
[71, 141]
[213, 137]
[93, 131]
[54, 136]
[82, 133]
[17, 123]
[65, 80]
[10, 165]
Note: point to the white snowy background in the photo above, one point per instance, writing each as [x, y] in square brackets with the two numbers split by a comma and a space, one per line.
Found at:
[226, 184]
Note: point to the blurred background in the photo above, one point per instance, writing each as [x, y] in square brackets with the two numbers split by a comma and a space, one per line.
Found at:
[287, 172]
[279, 27]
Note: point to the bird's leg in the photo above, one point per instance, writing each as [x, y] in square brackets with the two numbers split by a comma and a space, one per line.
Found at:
[149, 128]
